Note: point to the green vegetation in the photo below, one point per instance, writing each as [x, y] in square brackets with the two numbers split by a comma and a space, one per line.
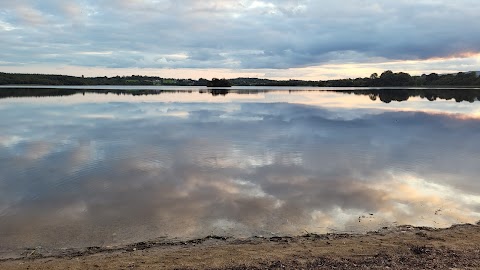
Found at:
[42, 79]
[267, 82]
[219, 83]
[387, 78]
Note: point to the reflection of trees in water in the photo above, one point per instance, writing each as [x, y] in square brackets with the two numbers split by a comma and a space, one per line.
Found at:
[385, 95]
[51, 92]
[41, 92]
[389, 95]
[218, 92]
[29, 92]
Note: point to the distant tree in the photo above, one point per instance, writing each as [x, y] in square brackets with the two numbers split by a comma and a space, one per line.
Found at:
[201, 82]
[403, 79]
[431, 77]
[387, 78]
[219, 83]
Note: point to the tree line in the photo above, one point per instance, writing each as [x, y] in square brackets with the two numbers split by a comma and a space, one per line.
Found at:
[386, 79]
[389, 78]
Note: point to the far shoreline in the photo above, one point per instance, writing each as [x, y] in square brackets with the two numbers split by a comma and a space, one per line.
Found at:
[233, 87]
[385, 79]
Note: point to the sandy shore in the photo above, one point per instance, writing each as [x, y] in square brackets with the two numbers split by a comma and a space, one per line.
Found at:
[404, 247]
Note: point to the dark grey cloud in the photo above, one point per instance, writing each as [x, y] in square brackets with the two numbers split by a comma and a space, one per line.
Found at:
[233, 34]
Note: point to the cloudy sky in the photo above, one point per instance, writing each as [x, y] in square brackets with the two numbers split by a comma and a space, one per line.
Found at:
[277, 39]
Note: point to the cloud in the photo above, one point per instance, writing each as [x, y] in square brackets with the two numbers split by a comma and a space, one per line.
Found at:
[249, 34]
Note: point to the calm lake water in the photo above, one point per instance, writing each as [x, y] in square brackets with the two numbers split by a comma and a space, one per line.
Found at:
[107, 167]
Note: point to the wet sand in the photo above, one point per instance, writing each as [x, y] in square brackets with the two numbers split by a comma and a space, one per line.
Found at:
[403, 247]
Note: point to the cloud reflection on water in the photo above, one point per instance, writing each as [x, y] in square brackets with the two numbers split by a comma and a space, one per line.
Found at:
[187, 170]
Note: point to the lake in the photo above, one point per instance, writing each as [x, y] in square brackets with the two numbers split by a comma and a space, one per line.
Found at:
[103, 166]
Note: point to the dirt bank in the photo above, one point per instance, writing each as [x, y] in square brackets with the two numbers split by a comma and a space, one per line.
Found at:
[403, 247]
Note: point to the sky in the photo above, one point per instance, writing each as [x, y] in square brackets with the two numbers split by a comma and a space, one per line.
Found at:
[277, 39]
